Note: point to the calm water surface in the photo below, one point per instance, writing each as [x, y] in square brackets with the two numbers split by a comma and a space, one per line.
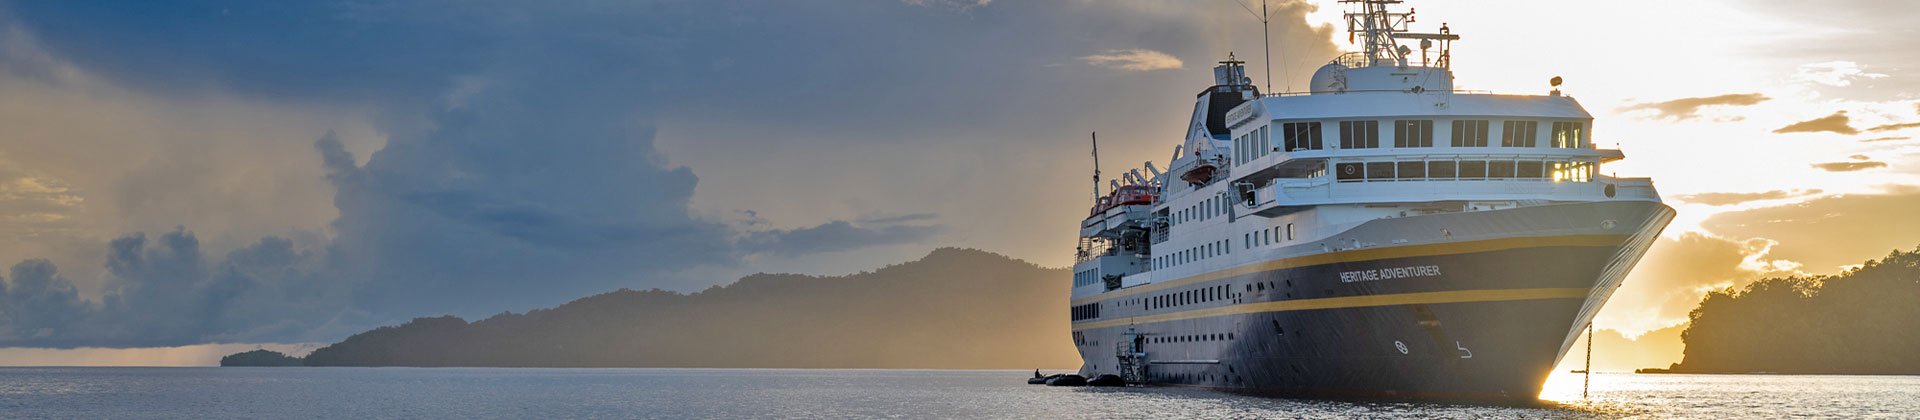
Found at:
[749, 393]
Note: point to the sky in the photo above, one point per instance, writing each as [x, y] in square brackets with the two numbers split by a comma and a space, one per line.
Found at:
[193, 174]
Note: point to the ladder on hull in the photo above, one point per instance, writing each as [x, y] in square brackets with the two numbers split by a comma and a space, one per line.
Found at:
[1133, 357]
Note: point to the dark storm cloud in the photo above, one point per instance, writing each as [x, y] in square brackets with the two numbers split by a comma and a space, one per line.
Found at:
[1687, 108]
[37, 303]
[1836, 123]
[520, 168]
[162, 291]
[531, 177]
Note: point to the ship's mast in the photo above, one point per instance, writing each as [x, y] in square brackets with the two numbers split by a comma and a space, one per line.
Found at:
[1375, 25]
[1266, 19]
[1379, 30]
[1096, 166]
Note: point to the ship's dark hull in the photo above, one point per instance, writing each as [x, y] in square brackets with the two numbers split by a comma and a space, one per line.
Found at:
[1475, 320]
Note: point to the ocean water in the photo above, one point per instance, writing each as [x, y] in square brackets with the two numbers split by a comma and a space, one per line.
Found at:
[770, 393]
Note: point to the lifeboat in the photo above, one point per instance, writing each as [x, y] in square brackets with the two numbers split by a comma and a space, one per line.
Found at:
[1200, 174]
[1131, 195]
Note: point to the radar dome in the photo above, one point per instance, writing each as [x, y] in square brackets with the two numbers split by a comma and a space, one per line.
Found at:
[1331, 78]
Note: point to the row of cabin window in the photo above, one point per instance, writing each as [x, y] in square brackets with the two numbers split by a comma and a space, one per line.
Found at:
[1205, 209]
[1191, 338]
[1216, 248]
[1365, 134]
[1268, 236]
[1189, 297]
[1086, 278]
[1558, 171]
[1085, 312]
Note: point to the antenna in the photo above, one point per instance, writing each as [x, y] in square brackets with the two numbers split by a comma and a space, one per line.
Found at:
[1096, 167]
[1265, 17]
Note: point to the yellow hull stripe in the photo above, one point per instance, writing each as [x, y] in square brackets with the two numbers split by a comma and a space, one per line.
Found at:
[1422, 298]
[1368, 254]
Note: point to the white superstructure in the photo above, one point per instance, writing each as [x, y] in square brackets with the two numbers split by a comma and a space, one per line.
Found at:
[1382, 134]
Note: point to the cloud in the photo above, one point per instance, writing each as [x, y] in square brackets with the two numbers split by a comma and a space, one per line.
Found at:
[1836, 123]
[1134, 60]
[1892, 127]
[1829, 232]
[495, 157]
[1686, 108]
[1857, 48]
[1676, 272]
[33, 204]
[1833, 73]
[37, 303]
[1848, 166]
[916, 217]
[163, 291]
[1725, 199]
[1881, 139]
[835, 236]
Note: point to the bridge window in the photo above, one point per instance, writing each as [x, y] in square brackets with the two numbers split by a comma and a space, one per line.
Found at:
[1379, 170]
[1301, 136]
[1500, 169]
[1566, 134]
[1519, 133]
[1289, 231]
[1441, 169]
[1470, 133]
[1413, 170]
[1573, 171]
[1263, 141]
[1240, 149]
[1413, 133]
[1529, 169]
[1473, 169]
[1348, 171]
[1359, 134]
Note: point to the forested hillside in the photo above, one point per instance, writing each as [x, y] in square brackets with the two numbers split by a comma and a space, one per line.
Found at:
[954, 308]
[1863, 321]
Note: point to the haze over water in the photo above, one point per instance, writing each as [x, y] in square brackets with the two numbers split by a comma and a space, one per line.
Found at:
[758, 393]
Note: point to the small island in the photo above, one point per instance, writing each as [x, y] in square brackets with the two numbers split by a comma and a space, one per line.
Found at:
[260, 358]
[1859, 322]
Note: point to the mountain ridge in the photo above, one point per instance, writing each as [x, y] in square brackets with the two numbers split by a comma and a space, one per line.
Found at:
[954, 308]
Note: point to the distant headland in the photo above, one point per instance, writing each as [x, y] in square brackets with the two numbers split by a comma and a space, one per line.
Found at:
[260, 358]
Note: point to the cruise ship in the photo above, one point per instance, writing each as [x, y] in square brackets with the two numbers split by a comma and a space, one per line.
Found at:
[1380, 235]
